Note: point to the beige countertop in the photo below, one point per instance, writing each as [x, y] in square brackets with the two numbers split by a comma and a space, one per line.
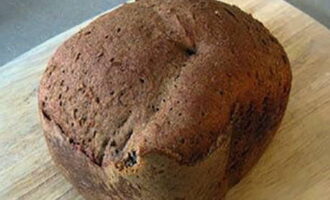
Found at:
[295, 166]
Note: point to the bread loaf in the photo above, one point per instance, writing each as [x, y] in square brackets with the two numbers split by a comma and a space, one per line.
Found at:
[163, 100]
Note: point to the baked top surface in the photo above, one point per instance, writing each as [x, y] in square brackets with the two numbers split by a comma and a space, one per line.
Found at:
[165, 76]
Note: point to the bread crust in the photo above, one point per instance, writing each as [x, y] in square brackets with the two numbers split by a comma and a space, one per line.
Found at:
[164, 100]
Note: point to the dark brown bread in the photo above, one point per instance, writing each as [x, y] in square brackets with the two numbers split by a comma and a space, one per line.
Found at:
[164, 99]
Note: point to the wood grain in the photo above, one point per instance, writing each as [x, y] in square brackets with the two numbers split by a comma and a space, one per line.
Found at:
[295, 166]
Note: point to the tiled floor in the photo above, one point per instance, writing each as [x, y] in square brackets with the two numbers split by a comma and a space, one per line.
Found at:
[25, 24]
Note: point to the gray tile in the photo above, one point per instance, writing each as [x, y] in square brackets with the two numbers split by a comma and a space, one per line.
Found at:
[318, 9]
[27, 23]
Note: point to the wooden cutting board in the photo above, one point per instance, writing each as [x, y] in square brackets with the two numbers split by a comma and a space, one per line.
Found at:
[295, 166]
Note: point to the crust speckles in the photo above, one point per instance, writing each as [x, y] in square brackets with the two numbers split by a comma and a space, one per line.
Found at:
[168, 77]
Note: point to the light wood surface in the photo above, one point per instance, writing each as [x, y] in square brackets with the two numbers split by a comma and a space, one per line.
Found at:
[295, 166]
